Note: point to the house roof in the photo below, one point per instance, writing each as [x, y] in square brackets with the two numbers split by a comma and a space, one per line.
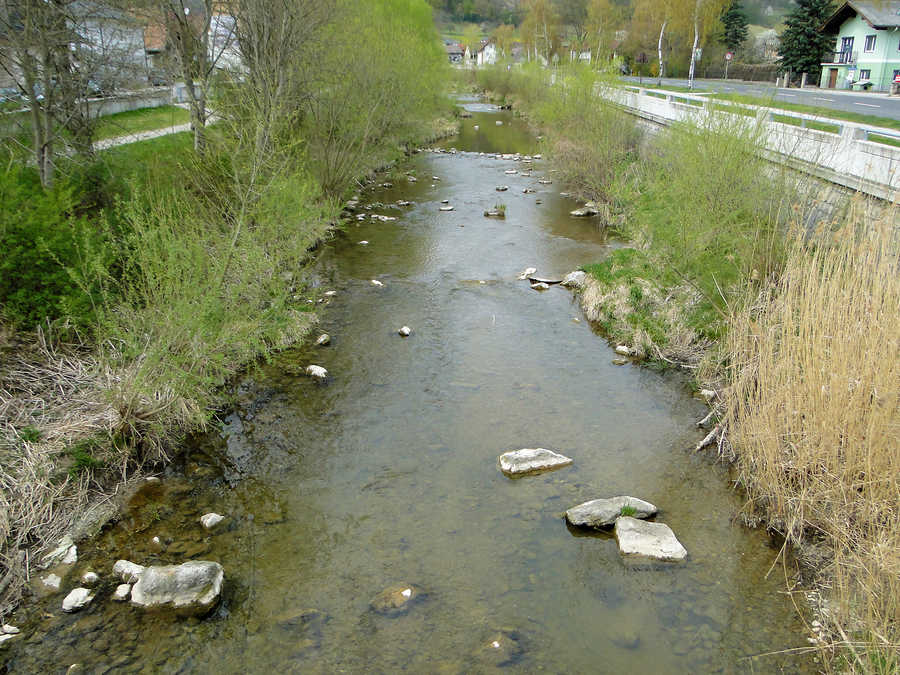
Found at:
[453, 49]
[877, 13]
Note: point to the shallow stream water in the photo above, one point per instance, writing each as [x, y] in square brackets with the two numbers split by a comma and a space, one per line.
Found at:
[388, 473]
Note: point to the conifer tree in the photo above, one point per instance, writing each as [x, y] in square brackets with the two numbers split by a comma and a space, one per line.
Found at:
[803, 44]
[734, 26]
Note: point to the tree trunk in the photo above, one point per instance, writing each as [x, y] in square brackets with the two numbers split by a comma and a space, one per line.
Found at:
[693, 55]
[662, 65]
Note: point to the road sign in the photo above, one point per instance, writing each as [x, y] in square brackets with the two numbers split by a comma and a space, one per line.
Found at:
[729, 56]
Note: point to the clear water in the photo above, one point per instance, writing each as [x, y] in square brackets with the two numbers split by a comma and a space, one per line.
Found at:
[387, 473]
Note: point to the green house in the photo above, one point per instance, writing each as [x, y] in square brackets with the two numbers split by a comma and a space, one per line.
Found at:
[867, 46]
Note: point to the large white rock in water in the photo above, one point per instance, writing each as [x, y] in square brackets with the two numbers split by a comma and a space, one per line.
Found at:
[210, 520]
[317, 372]
[651, 540]
[574, 279]
[122, 592]
[76, 599]
[193, 587]
[604, 512]
[128, 571]
[531, 460]
[405, 331]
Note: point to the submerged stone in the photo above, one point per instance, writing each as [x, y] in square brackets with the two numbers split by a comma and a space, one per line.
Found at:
[500, 649]
[531, 460]
[604, 512]
[650, 540]
[193, 587]
[395, 599]
[210, 520]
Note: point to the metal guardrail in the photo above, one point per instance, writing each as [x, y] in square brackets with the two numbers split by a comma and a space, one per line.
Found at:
[768, 114]
[857, 156]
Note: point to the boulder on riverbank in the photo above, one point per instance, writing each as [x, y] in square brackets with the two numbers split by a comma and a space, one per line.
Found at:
[531, 460]
[650, 540]
[599, 513]
[575, 280]
[589, 209]
[192, 588]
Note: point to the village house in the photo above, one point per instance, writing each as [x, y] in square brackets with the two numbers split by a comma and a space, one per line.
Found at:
[867, 46]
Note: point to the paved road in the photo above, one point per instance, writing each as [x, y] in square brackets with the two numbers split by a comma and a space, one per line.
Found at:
[864, 103]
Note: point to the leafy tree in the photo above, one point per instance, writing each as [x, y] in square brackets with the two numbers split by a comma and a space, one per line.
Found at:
[503, 37]
[803, 44]
[471, 37]
[734, 26]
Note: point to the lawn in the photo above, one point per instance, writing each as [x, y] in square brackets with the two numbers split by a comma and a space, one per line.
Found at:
[143, 119]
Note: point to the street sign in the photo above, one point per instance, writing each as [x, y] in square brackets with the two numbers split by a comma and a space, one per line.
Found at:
[698, 53]
[729, 56]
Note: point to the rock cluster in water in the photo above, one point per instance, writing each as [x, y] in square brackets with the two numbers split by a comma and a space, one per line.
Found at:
[599, 513]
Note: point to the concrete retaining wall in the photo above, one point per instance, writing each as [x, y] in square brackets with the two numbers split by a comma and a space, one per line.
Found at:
[845, 157]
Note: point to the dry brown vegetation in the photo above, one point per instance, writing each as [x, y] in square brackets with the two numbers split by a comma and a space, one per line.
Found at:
[815, 420]
[51, 398]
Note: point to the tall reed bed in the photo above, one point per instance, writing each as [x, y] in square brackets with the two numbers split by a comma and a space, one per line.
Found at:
[815, 418]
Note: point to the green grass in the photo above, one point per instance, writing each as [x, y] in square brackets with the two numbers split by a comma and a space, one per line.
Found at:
[808, 124]
[885, 140]
[627, 511]
[144, 119]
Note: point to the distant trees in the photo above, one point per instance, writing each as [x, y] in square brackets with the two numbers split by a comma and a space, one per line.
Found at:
[803, 45]
[540, 29]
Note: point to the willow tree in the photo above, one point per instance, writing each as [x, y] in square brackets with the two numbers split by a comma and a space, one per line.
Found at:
[380, 84]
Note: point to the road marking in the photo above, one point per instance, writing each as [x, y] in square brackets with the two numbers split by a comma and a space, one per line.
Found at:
[791, 95]
[868, 105]
[819, 98]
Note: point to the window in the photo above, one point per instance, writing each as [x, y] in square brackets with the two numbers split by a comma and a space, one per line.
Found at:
[865, 74]
[870, 43]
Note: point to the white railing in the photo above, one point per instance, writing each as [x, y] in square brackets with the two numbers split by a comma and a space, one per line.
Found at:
[835, 150]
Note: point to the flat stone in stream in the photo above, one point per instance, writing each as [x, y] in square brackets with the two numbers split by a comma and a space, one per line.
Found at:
[128, 571]
[77, 599]
[531, 460]
[191, 588]
[604, 512]
[395, 599]
[649, 540]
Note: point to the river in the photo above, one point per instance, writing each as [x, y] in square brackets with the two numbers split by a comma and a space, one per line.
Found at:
[388, 473]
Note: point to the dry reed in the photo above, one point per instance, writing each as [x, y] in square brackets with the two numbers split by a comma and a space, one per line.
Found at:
[815, 418]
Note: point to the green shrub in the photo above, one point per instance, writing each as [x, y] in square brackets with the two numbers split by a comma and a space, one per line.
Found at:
[47, 247]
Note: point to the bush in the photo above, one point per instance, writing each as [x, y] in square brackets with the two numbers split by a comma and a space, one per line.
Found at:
[47, 249]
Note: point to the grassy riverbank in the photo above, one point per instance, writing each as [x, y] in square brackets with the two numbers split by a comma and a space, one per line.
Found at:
[141, 281]
[786, 311]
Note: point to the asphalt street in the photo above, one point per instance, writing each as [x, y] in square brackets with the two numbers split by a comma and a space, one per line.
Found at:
[873, 103]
